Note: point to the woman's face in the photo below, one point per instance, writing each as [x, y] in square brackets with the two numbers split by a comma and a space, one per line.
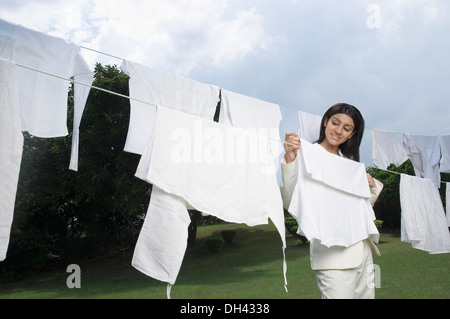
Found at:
[338, 129]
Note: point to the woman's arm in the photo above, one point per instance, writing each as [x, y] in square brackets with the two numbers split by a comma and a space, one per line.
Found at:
[289, 167]
[291, 146]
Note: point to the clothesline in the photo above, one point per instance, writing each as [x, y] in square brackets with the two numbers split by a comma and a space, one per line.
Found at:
[85, 84]
[287, 107]
[151, 104]
[107, 54]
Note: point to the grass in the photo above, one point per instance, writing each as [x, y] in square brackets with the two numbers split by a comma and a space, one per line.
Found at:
[249, 268]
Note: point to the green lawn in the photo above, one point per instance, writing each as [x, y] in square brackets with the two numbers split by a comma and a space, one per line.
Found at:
[249, 268]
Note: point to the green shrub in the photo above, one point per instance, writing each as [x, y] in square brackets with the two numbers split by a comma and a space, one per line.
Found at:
[228, 235]
[214, 244]
[378, 223]
[291, 225]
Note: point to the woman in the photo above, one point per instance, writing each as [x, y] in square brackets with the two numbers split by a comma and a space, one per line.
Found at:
[341, 272]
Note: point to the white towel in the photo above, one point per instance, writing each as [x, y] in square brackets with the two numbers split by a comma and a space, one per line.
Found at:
[156, 87]
[11, 146]
[43, 98]
[331, 200]
[444, 142]
[80, 96]
[425, 154]
[218, 170]
[386, 149]
[263, 118]
[423, 222]
[309, 126]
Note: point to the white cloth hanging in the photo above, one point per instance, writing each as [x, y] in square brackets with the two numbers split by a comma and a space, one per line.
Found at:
[425, 154]
[241, 111]
[423, 222]
[331, 200]
[43, 98]
[162, 88]
[218, 170]
[161, 244]
[386, 149]
[11, 146]
[447, 201]
[309, 126]
[444, 142]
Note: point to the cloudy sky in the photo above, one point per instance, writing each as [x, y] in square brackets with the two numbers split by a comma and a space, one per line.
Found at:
[387, 57]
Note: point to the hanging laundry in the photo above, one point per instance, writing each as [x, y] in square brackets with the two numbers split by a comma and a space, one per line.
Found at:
[444, 142]
[423, 222]
[425, 154]
[162, 242]
[219, 170]
[42, 97]
[309, 126]
[447, 201]
[331, 200]
[150, 87]
[386, 149]
[11, 146]
[246, 112]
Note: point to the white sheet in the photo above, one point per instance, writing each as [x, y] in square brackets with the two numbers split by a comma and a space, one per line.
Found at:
[423, 222]
[156, 87]
[11, 146]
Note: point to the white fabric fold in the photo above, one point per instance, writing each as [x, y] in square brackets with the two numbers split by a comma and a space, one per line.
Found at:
[11, 147]
[444, 142]
[331, 200]
[150, 87]
[447, 201]
[241, 111]
[309, 126]
[423, 222]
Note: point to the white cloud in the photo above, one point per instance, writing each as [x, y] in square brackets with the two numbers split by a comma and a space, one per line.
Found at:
[301, 54]
[178, 36]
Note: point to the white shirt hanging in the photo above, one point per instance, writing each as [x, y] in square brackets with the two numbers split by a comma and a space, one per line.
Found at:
[386, 149]
[218, 170]
[425, 154]
[263, 118]
[42, 97]
[444, 142]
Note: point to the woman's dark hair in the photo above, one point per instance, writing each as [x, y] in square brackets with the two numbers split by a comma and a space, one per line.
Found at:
[351, 147]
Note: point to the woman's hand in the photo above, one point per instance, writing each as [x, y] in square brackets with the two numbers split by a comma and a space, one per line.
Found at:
[291, 146]
[371, 181]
